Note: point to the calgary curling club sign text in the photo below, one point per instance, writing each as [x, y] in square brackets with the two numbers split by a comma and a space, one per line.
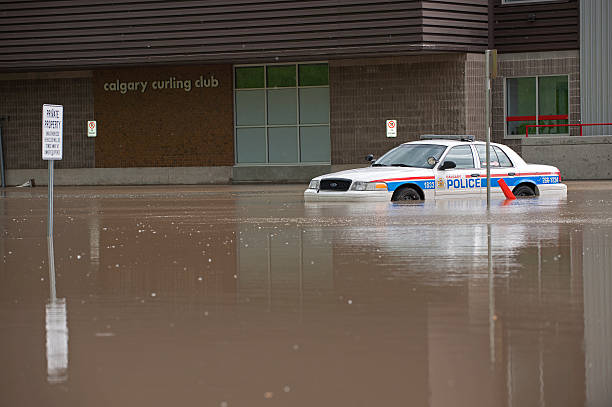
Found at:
[158, 85]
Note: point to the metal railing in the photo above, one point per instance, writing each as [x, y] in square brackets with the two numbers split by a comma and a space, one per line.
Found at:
[581, 125]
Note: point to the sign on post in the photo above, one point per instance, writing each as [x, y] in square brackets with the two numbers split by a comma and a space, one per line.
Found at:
[92, 128]
[52, 132]
[391, 128]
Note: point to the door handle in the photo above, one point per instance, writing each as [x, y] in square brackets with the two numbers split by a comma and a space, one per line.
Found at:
[512, 174]
[475, 175]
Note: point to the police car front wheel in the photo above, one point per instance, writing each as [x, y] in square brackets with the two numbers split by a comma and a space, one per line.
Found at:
[406, 194]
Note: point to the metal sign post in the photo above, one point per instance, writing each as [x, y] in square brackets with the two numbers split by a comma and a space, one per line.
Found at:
[52, 137]
[490, 73]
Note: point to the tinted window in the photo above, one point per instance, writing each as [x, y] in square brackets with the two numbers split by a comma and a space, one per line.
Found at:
[504, 161]
[482, 155]
[537, 100]
[498, 157]
[461, 156]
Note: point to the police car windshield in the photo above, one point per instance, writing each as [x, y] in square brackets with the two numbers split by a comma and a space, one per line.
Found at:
[410, 155]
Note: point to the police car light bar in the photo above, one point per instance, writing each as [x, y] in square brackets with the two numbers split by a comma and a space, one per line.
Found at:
[458, 137]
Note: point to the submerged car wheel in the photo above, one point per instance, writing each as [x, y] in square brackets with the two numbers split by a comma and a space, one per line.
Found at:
[524, 190]
[406, 194]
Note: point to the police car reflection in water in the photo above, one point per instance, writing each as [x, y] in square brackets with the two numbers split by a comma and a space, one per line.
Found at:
[438, 166]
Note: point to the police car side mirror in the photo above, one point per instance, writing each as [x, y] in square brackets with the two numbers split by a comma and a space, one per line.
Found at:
[447, 165]
[370, 157]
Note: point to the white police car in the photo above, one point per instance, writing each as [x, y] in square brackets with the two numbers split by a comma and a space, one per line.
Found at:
[438, 166]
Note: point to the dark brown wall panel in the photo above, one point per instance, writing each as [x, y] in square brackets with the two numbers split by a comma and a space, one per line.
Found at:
[169, 127]
[58, 34]
[21, 100]
[545, 26]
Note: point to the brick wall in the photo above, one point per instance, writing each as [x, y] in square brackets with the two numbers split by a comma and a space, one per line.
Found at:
[169, 127]
[426, 94]
[22, 97]
[532, 64]
[475, 95]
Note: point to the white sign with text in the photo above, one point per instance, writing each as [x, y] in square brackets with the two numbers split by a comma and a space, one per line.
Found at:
[52, 132]
[391, 128]
[92, 128]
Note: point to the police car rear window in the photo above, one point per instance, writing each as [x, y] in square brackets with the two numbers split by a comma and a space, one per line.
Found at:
[498, 157]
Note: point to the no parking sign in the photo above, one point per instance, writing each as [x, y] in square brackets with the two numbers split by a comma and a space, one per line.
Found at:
[391, 128]
[92, 128]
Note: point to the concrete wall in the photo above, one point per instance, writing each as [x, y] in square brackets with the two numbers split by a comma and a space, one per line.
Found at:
[281, 174]
[278, 173]
[578, 158]
[123, 176]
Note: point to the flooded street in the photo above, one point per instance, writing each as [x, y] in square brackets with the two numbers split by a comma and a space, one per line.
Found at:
[247, 296]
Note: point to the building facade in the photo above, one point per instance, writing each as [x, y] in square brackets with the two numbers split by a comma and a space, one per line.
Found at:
[230, 91]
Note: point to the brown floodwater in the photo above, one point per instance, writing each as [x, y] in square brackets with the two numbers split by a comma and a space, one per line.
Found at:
[247, 296]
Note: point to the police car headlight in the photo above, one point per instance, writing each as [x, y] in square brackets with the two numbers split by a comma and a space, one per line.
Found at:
[313, 185]
[359, 186]
[369, 186]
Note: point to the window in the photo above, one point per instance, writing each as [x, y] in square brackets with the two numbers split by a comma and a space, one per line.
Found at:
[410, 155]
[542, 100]
[462, 157]
[498, 157]
[282, 114]
[503, 159]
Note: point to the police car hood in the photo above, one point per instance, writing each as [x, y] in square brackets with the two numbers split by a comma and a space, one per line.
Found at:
[377, 173]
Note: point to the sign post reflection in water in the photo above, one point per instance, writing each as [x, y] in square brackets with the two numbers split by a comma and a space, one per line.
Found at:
[491, 298]
[57, 331]
[56, 328]
[57, 341]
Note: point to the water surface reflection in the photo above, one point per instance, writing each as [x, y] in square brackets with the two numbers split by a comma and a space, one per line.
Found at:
[245, 296]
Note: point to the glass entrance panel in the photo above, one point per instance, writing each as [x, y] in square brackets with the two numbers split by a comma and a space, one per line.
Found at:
[251, 145]
[314, 144]
[521, 105]
[314, 106]
[250, 108]
[553, 104]
[282, 106]
[283, 146]
[282, 113]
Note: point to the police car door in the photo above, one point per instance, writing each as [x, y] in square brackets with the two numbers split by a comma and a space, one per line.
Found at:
[501, 167]
[462, 180]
